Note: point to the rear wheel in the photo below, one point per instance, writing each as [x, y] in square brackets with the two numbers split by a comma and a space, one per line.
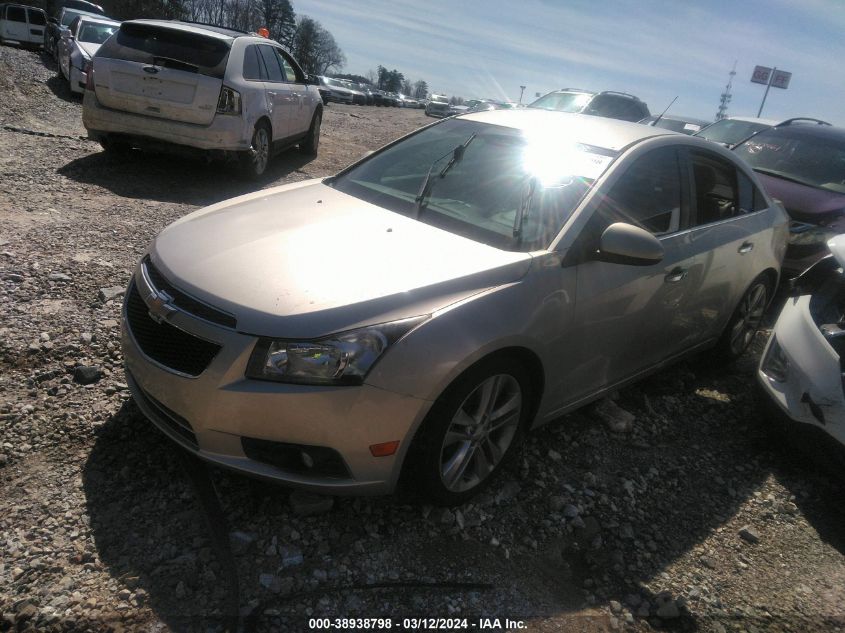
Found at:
[254, 161]
[114, 148]
[311, 143]
[744, 322]
[471, 432]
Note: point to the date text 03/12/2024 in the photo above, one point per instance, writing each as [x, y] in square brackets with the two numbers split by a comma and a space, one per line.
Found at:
[415, 624]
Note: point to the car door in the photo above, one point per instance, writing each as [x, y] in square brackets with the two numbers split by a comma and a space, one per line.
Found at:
[37, 21]
[725, 229]
[279, 93]
[628, 318]
[302, 105]
[15, 24]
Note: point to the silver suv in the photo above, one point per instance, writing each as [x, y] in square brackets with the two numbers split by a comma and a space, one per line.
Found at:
[180, 85]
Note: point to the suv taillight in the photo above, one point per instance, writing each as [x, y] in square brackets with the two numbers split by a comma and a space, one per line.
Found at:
[89, 75]
[229, 101]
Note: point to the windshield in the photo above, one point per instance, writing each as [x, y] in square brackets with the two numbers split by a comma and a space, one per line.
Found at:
[563, 101]
[485, 194]
[813, 161]
[731, 131]
[68, 17]
[96, 33]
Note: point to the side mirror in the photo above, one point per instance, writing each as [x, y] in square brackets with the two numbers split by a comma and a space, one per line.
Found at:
[623, 243]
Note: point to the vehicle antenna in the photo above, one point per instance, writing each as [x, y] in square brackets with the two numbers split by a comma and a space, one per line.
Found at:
[653, 123]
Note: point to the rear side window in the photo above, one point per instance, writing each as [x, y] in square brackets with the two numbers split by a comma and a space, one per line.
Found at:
[253, 65]
[171, 48]
[271, 62]
[16, 14]
[36, 18]
[716, 192]
[750, 197]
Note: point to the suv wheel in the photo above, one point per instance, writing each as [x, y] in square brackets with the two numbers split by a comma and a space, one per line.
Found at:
[256, 159]
[312, 142]
[114, 148]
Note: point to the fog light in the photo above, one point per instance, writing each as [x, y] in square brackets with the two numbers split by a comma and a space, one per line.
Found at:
[776, 364]
[385, 449]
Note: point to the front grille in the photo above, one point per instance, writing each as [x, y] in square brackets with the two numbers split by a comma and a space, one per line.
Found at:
[186, 302]
[173, 421]
[164, 343]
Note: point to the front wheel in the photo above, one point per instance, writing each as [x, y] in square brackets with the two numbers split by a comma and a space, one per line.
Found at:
[470, 432]
[744, 322]
[311, 143]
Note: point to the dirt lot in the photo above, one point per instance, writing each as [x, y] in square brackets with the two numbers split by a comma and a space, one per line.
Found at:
[689, 520]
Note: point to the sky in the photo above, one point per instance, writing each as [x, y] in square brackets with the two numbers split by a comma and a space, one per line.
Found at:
[654, 50]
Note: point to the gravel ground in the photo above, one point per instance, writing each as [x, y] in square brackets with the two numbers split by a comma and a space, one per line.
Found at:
[682, 514]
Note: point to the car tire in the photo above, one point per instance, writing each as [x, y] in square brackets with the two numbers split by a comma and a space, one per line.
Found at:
[744, 322]
[311, 143]
[254, 162]
[114, 148]
[470, 433]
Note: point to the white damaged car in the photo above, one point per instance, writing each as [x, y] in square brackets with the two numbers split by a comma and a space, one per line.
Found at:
[803, 366]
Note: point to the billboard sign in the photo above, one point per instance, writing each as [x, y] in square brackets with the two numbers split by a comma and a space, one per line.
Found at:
[780, 79]
[761, 75]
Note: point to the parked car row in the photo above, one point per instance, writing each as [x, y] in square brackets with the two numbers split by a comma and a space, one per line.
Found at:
[345, 91]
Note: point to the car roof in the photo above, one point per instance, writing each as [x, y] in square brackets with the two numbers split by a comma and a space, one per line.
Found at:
[677, 117]
[18, 4]
[82, 12]
[194, 27]
[612, 134]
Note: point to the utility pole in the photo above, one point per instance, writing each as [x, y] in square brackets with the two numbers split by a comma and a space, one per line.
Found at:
[521, 90]
[726, 96]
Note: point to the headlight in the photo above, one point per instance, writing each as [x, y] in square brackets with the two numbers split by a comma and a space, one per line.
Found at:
[339, 359]
[776, 364]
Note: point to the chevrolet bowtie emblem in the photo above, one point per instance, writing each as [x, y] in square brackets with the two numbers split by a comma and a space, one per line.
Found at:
[159, 306]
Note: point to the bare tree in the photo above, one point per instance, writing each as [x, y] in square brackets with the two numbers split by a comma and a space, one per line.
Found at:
[315, 48]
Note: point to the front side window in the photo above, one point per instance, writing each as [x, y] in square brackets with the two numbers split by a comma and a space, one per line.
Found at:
[647, 194]
[68, 17]
[287, 67]
[492, 184]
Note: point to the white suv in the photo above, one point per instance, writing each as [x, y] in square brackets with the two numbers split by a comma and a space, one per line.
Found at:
[188, 86]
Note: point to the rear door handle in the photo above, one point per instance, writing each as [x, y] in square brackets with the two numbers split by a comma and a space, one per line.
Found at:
[676, 275]
[746, 247]
[270, 93]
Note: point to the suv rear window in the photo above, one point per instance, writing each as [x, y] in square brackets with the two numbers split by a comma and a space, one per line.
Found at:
[171, 48]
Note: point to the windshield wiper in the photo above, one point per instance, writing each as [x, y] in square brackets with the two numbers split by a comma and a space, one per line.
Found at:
[522, 211]
[421, 201]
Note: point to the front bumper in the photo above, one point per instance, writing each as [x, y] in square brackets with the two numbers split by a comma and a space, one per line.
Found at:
[812, 392]
[211, 414]
[226, 133]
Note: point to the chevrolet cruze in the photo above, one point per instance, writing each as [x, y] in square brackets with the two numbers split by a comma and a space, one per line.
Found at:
[411, 318]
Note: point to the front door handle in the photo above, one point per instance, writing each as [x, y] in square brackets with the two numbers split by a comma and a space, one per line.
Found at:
[676, 275]
[746, 247]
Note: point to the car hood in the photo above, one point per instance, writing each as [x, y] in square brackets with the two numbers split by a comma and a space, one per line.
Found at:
[306, 260]
[89, 48]
[802, 200]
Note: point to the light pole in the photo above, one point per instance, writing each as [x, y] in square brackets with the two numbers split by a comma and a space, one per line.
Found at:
[521, 90]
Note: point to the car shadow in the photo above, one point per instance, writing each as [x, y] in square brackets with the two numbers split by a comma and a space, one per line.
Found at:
[675, 483]
[170, 178]
[58, 85]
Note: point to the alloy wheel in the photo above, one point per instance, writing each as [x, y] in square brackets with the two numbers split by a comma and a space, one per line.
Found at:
[261, 150]
[480, 432]
[748, 318]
